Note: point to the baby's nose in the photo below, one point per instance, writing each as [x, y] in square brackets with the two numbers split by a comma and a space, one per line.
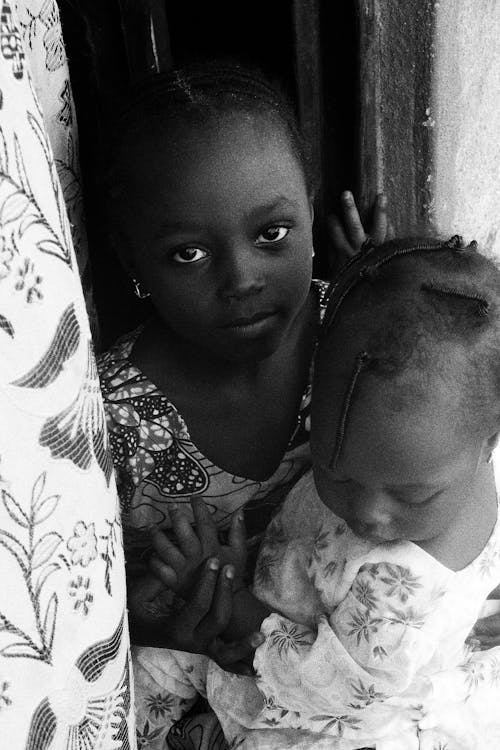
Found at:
[372, 510]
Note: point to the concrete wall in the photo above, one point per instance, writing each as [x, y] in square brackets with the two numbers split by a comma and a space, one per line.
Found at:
[466, 111]
[429, 100]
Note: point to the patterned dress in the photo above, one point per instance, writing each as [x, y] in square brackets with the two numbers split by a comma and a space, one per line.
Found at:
[157, 463]
[369, 648]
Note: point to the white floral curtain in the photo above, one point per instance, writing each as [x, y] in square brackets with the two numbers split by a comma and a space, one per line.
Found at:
[40, 28]
[64, 650]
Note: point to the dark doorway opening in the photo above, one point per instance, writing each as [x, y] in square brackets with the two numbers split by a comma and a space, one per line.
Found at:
[309, 45]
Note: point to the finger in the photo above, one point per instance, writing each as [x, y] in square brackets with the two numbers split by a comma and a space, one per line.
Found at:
[488, 626]
[185, 535]
[238, 655]
[237, 535]
[205, 526]
[391, 232]
[165, 574]
[201, 598]
[355, 232]
[237, 667]
[167, 551]
[487, 642]
[217, 618]
[337, 235]
[378, 228]
[142, 592]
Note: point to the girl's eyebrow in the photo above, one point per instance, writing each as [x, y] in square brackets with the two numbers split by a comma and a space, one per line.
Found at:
[177, 226]
[279, 202]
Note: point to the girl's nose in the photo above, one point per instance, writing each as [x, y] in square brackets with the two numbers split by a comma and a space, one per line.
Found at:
[242, 275]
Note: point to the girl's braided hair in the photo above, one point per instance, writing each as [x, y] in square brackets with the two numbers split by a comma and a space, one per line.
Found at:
[199, 93]
[411, 311]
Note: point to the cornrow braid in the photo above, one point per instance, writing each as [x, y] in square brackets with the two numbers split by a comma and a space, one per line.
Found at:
[366, 266]
[360, 364]
[199, 93]
[482, 304]
[418, 310]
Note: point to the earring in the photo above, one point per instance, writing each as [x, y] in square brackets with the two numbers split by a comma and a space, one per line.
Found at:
[312, 253]
[141, 293]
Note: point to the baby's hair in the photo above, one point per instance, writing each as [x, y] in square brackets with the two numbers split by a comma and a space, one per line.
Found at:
[199, 93]
[410, 311]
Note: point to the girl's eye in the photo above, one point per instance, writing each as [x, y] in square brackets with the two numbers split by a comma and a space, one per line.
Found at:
[189, 255]
[273, 234]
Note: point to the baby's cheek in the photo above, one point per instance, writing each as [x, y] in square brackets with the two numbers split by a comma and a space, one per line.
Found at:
[421, 525]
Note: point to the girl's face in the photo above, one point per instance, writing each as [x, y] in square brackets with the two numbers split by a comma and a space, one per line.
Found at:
[400, 474]
[218, 230]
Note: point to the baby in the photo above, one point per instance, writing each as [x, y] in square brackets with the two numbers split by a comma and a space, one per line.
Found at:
[376, 568]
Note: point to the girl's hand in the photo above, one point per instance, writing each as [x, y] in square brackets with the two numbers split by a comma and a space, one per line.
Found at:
[347, 233]
[248, 614]
[197, 627]
[177, 565]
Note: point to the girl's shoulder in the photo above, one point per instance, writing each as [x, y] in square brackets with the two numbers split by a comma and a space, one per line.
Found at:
[119, 352]
[128, 393]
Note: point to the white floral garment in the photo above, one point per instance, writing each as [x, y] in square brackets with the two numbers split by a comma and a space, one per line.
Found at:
[368, 651]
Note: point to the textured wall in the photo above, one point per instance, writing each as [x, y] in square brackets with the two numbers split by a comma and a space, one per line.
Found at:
[395, 140]
[430, 114]
[466, 111]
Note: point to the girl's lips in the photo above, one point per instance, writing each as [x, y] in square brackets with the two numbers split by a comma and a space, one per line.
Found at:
[252, 327]
[246, 322]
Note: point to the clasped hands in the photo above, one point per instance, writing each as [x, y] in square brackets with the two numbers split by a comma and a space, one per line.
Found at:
[220, 617]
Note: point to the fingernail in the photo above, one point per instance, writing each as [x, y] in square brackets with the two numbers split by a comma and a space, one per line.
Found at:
[213, 563]
[240, 517]
[257, 640]
[229, 572]
[474, 643]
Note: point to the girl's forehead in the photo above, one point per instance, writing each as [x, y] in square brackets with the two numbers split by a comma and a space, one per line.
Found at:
[238, 160]
[211, 134]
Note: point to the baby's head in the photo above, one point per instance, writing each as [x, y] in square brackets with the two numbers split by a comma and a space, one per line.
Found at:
[406, 398]
[212, 201]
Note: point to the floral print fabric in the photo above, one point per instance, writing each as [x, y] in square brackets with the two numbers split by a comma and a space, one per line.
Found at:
[366, 646]
[64, 650]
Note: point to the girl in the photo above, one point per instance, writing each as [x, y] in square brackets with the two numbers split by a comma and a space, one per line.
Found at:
[371, 576]
[212, 200]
